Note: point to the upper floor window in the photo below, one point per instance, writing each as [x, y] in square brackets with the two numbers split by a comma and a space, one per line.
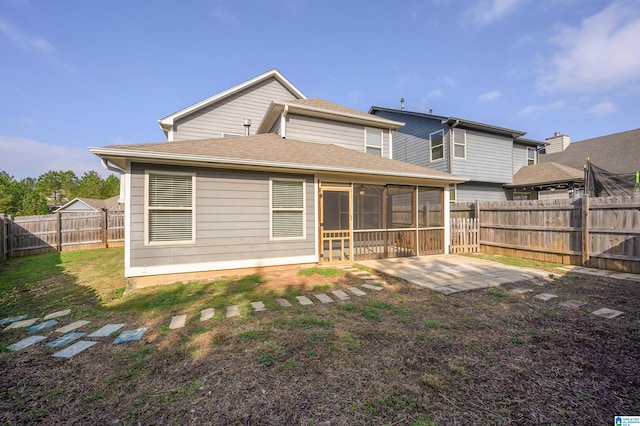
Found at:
[169, 207]
[532, 156]
[287, 209]
[436, 141]
[373, 141]
[459, 143]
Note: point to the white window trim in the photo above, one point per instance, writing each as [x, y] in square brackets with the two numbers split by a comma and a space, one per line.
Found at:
[535, 155]
[304, 210]
[381, 147]
[464, 143]
[146, 208]
[431, 160]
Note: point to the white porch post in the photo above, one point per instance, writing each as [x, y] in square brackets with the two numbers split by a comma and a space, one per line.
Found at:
[447, 220]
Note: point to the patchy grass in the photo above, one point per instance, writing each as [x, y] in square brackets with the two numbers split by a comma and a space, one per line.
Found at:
[400, 356]
[521, 263]
[323, 272]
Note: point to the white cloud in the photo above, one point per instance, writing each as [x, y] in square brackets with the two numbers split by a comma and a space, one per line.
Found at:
[602, 109]
[599, 54]
[22, 157]
[489, 96]
[435, 93]
[24, 40]
[222, 14]
[535, 109]
[487, 11]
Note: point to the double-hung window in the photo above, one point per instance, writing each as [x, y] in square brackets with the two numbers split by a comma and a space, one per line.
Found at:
[436, 142]
[373, 141]
[169, 202]
[532, 156]
[287, 209]
[459, 143]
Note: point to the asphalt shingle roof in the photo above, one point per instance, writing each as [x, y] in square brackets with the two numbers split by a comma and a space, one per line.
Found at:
[539, 174]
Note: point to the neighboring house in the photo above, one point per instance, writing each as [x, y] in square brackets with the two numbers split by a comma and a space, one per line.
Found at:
[560, 173]
[311, 184]
[488, 155]
[90, 205]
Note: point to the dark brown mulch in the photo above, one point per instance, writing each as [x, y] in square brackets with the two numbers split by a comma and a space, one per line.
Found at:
[400, 356]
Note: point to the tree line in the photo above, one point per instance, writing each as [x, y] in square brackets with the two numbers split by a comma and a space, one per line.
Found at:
[34, 196]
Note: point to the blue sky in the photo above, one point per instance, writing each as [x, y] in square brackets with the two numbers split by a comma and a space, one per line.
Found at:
[78, 73]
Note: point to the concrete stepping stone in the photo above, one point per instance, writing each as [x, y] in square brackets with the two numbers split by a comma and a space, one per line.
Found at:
[207, 314]
[106, 330]
[341, 294]
[41, 326]
[284, 303]
[74, 349]
[522, 290]
[357, 291]
[57, 314]
[323, 298]
[25, 343]
[371, 287]
[233, 311]
[544, 296]
[72, 326]
[360, 274]
[130, 335]
[10, 320]
[446, 290]
[572, 303]
[178, 321]
[258, 306]
[64, 340]
[304, 300]
[22, 324]
[607, 313]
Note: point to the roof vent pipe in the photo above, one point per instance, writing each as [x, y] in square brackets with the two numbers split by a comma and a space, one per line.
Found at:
[247, 126]
[401, 104]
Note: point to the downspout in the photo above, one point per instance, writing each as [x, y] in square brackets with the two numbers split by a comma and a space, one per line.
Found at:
[123, 174]
[283, 122]
[450, 154]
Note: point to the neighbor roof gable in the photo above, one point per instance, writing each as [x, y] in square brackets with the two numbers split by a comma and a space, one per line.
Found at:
[168, 121]
[545, 173]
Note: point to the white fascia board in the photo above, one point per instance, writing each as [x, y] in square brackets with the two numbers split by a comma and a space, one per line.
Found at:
[194, 160]
[169, 120]
[382, 122]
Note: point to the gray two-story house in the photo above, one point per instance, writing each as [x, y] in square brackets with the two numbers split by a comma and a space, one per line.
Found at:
[488, 155]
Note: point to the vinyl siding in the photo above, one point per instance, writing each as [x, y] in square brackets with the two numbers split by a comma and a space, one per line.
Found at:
[346, 135]
[489, 158]
[228, 115]
[519, 157]
[232, 220]
[479, 191]
[411, 142]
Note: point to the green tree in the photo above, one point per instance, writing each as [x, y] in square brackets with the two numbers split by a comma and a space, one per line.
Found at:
[89, 185]
[33, 203]
[111, 187]
[8, 199]
[57, 186]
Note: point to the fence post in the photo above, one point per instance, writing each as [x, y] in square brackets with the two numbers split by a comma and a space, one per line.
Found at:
[59, 226]
[10, 238]
[3, 248]
[586, 238]
[105, 228]
[477, 212]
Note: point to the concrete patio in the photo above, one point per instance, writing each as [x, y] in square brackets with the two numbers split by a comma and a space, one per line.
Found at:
[451, 273]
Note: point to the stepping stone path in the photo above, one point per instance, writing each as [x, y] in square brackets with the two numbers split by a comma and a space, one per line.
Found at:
[72, 326]
[206, 314]
[130, 335]
[341, 295]
[22, 324]
[9, 320]
[323, 298]
[41, 326]
[304, 301]
[521, 290]
[371, 287]
[284, 303]
[233, 311]
[357, 291]
[25, 343]
[57, 314]
[607, 313]
[106, 330]
[178, 321]
[572, 303]
[258, 306]
[74, 349]
[545, 296]
[64, 340]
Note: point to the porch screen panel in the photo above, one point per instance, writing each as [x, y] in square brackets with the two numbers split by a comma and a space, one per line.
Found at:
[400, 206]
[430, 207]
[170, 208]
[367, 207]
[287, 209]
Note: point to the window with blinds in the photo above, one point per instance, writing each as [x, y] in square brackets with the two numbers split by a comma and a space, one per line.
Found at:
[373, 141]
[287, 209]
[170, 208]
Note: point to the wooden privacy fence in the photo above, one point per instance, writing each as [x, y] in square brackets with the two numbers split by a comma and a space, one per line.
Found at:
[599, 232]
[27, 235]
[464, 236]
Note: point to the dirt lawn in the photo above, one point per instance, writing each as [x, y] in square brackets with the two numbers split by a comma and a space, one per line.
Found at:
[403, 355]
